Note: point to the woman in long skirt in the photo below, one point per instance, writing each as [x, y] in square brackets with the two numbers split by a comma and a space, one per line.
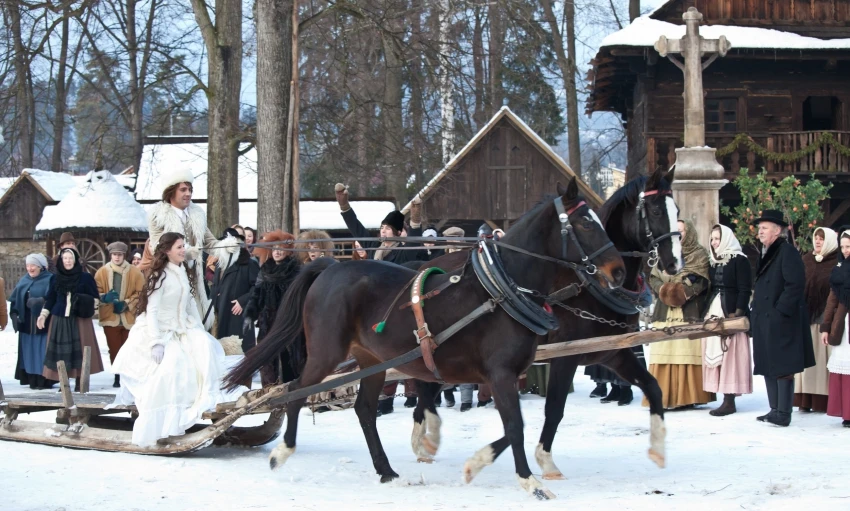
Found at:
[27, 300]
[170, 367]
[727, 363]
[677, 364]
[835, 330]
[70, 305]
[811, 387]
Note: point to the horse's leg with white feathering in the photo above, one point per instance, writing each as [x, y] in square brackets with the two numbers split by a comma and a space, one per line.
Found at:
[425, 439]
[626, 364]
[507, 402]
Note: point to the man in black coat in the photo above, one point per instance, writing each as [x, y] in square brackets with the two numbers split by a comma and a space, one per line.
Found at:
[235, 276]
[391, 226]
[782, 341]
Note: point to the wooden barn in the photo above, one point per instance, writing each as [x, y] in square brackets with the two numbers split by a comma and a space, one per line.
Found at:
[779, 100]
[504, 170]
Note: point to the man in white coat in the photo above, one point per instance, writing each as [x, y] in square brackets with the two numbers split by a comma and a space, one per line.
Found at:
[176, 213]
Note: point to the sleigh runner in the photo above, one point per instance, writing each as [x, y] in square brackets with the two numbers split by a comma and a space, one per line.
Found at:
[83, 422]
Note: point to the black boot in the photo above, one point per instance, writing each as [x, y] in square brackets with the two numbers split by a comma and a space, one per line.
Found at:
[772, 388]
[450, 398]
[626, 396]
[410, 402]
[614, 395]
[600, 390]
[117, 382]
[465, 407]
[385, 406]
[784, 404]
[846, 424]
[765, 417]
[727, 408]
[482, 404]
[76, 384]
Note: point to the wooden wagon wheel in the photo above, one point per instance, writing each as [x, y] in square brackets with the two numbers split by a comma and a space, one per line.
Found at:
[92, 253]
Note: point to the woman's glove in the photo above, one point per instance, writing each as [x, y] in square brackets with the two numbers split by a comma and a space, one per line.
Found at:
[119, 307]
[673, 294]
[109, 297]
[157, 352]
[341, 193]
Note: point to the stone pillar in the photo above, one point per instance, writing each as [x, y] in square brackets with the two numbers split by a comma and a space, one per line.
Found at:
[696, 188]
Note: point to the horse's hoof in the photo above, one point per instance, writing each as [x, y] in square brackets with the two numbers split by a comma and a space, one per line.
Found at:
[425, 459]
[554, 476]
[476, 463]
[279, 455]
[389, 477]
[429, 446]
[543, 494]
[657, 458]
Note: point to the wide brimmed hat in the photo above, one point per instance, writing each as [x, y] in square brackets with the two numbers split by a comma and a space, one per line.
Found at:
[66, 237]
[773, 216]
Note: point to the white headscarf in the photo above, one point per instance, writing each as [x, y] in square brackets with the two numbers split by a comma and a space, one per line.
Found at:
[729, 247]
[37, 260]
[830, 243]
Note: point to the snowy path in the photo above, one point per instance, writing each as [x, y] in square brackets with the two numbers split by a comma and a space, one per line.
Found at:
[713, 463]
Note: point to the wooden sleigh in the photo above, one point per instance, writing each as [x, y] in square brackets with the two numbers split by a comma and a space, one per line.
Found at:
[83, 422]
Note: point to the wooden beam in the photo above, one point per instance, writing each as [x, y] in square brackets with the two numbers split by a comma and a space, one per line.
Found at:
[493, 225]
[86, 371]
[439, 225]
[836, 213]
[65, 385]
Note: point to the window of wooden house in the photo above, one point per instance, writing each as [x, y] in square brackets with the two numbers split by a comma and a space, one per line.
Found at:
[721, 115]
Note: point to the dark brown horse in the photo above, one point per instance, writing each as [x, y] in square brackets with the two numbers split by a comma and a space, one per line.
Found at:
[335, 306]
[634, 226]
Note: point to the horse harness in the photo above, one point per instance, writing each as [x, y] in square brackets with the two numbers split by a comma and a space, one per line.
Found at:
[653, 241]
[516, 301]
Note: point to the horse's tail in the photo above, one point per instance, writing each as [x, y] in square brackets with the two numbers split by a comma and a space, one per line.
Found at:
[287, 328]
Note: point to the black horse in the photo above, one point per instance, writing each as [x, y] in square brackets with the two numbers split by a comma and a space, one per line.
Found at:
[637, 218]
[335, 305]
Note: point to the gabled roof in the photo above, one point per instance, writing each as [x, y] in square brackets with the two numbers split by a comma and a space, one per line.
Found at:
[53, 186]
[535, 139]
[99, 202]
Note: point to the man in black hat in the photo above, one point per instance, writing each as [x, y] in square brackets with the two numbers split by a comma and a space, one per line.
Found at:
[391, 226]
[782, 342]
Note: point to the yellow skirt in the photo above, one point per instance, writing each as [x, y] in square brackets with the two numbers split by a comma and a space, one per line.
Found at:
[681, 385]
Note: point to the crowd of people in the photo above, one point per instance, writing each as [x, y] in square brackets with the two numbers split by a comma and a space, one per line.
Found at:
[158, 305]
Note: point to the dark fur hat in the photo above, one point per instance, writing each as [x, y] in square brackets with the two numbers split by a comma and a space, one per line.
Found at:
[394, 219]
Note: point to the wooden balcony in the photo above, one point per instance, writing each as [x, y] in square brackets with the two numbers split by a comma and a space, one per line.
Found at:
[824, 159]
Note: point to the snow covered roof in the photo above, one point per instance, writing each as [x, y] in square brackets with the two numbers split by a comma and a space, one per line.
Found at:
[6, 183]
[530, 133]
[645, 31]
[160, 158]
[98, 203]
[323, 215]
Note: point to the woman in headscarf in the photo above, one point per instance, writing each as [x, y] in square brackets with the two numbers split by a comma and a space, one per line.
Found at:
[834, 331]
[811, 387]
[70, 300]
[677, 364]
[278, 268]
[727, 364]
[27, 301]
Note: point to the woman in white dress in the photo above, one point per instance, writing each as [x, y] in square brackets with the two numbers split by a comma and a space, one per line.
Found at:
[170, 366]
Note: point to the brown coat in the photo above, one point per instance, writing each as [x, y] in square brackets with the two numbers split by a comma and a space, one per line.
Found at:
[834, 317]
[4, 314]
[132, 284]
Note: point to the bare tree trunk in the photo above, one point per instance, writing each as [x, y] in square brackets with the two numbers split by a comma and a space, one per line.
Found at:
[447, 109]
[136, 103]
[391, 113]
[26, 135]
[479, 116]
[634, 9]
[223, 41]
[495, 44]
[291, 181]
[61, 99]
[274, 77]
[566, 64]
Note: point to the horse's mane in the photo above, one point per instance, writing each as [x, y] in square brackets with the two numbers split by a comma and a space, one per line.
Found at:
[628, 193]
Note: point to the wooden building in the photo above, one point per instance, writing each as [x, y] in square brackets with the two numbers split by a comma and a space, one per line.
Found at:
[502, 172]
[779, 100]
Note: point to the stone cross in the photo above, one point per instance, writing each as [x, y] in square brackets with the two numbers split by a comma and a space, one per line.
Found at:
[693, 47]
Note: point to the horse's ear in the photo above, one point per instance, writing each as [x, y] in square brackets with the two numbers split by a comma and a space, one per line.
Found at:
[654, 180]
[570, 192]
[670, 175]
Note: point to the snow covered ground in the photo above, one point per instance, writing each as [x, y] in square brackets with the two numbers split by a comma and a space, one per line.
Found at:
[713, 463]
